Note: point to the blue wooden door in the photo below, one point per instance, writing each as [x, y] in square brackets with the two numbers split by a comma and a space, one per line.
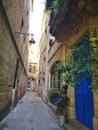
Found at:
[84, 102]
[83, 94]
[80, 102]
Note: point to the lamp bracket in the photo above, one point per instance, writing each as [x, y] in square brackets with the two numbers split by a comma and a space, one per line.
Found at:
[19, 33]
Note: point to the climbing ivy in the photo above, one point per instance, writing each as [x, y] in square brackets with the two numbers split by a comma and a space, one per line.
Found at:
[57, 5]
[84, 58]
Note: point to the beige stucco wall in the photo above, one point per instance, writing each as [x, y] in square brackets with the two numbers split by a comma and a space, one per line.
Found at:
[71, 104]
[56, 56]
[95, 119]
[70, 94]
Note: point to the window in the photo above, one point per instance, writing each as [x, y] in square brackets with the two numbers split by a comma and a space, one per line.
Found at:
[22, 24]
[30, 68]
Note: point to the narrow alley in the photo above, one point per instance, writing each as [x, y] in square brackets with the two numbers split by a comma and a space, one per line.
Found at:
[48, 64]
[31, 113]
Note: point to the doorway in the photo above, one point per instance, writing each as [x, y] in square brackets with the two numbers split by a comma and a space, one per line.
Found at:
[84, 103]
[14, 100]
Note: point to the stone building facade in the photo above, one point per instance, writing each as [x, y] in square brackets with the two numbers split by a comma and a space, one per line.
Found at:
[14, 17]
[43, 58]
[33, 68]
[70, 27]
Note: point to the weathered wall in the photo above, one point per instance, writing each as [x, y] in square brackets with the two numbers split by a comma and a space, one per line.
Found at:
[43, 50]
[69, 36]
[13, 17]
[56, 55]
[8, 58]
[95, 119]
[18, 13]
[70, 94]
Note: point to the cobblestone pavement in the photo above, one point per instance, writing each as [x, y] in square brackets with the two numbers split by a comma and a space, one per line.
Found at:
[30, 114]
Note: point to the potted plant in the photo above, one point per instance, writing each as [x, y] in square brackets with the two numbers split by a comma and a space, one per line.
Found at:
[54, 96]
[62, 107]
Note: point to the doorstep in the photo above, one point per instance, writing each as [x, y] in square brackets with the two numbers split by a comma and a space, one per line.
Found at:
[75, 125]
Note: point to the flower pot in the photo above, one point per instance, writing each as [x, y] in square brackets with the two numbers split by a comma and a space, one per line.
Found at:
[61, 120]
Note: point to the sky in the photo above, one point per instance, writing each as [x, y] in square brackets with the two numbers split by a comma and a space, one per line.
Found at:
[36, 19]
[35, 28]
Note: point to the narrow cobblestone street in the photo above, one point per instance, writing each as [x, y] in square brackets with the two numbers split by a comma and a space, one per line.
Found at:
[31, 113]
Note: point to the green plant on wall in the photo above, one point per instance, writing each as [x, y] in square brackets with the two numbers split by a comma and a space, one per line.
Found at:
[87, 61]
[57, 5]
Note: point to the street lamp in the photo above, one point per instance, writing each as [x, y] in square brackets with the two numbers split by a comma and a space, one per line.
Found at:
[32, 41]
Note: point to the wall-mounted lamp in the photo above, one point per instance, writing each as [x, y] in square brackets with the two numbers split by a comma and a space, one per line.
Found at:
[32, 41]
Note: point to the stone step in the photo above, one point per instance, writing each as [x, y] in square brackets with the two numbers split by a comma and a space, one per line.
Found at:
[78, 125]
[75, 125]
[69, 127]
